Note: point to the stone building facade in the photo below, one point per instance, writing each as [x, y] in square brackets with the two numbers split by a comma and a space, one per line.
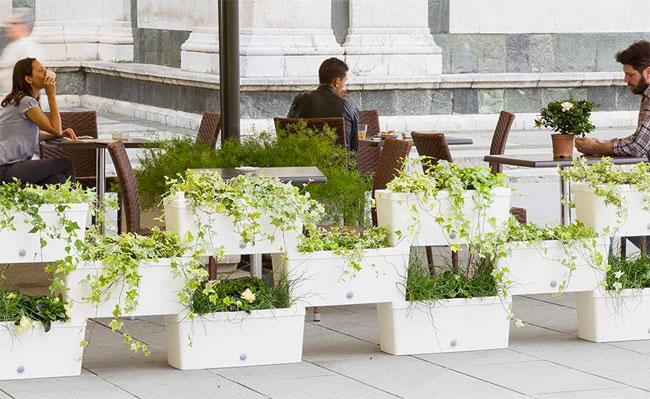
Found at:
[424, 64]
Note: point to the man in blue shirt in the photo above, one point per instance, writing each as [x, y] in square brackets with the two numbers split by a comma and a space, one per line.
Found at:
[329, 100]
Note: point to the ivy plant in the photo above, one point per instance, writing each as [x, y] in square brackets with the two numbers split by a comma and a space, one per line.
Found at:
[246, 199]
[121, 257]
[457, 182]
[349, 243]
[606, 179]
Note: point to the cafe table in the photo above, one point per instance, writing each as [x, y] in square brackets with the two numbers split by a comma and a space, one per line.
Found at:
[547, 161]
[290, 174]
[99, 145]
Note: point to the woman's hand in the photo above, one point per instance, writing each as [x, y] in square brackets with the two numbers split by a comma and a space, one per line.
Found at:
[69, 133]
[50, 85]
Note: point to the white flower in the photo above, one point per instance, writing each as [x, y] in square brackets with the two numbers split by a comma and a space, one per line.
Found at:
[566, 106]
[11, 295]
[24, 325]
[248, 295]
[520, 323]
[618, 274]
[618, 286]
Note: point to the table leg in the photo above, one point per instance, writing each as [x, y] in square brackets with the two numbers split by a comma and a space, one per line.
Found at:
[256, 265]
[100, 183]
[565, 193]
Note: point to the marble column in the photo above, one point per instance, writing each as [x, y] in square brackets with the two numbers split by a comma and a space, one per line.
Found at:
[200, 52]
[285, 38]
[84, 29]
[391, 38]
[5, 10]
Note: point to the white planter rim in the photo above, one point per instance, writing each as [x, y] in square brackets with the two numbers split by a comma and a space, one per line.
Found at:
[162, 262]
[72, 323]
[477, 301]
[585, 187]
[547, 243]
[390, 195]
[626, 293]
[242, 316]
[372, 252]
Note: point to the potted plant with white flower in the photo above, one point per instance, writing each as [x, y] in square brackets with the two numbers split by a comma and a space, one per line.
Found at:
[567, 118]
[240, 322]
[342, 266]
[37, 337]
[620, 309]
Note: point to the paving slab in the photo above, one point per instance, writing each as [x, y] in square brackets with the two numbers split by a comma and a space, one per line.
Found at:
[626, 393]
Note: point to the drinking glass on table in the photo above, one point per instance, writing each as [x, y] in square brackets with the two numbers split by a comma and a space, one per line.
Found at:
[363, 128]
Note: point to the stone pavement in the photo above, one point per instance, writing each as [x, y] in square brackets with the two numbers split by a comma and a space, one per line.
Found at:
[341, 356]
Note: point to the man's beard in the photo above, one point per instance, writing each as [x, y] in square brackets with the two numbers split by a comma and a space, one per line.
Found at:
[641, 87]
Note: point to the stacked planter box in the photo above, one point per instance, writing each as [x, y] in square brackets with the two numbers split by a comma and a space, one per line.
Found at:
[181, 218]
[419, 228]
[158, 291]
[538, 268]
[38, 354]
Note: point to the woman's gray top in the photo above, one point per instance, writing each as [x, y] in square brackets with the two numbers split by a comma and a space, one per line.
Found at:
[18, 135]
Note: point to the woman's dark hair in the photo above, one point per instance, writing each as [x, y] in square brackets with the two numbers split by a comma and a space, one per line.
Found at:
[637, 55]
[331, 69]
[19, 87]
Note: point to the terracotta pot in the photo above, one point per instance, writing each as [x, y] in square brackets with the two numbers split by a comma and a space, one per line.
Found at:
[562, 145]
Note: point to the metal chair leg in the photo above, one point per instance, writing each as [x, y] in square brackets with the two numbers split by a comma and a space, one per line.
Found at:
[430, 260]
[623, 247]
[644, 245]
[212, 268]
[454, 260]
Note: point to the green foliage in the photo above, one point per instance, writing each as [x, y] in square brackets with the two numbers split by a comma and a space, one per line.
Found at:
[246, 198]
[23, 309]
[531, 232]
[343, 195]
[340, 239]
[605, 179]
[243, 294]
[121, 257]
[567, 117]
[478, 281]
[455, 181]
[628, 273]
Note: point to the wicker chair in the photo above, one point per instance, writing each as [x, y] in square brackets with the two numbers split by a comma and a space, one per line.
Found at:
[368, 156]
[432, 145]
[209, 129]
[370, 117]
[128, 186]
[498, 147]
[391, 161]
[83, 123]
[288, 125]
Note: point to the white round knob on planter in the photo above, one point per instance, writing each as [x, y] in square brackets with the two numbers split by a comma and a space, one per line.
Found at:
[349, 295]
[553, 284]
[242, 245]
[22, 253]
[20, 369]
[452, 235]
[242, 357]
[453, 343]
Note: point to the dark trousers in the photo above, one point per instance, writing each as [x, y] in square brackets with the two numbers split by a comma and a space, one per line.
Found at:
[39, 172]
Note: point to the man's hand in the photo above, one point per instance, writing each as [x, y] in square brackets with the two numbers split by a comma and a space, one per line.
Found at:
[69, 133]
[589, 146]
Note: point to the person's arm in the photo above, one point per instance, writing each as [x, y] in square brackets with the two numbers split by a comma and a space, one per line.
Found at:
[44, 136]
[589, 146]
[636, 145]
[351, 118]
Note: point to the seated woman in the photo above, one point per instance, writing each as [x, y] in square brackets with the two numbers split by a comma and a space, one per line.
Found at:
[21, 118]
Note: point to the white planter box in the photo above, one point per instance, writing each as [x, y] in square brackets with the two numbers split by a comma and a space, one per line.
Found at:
[37, 354]
[594, 213]
[604, 316]
[158, 291]
[450, 325]
[394, 210]
[21, 246]
[325, 279]
[234, 339]
[181, 218]
[538, 269]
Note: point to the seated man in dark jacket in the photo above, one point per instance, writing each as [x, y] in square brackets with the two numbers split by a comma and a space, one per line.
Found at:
[329, 101]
